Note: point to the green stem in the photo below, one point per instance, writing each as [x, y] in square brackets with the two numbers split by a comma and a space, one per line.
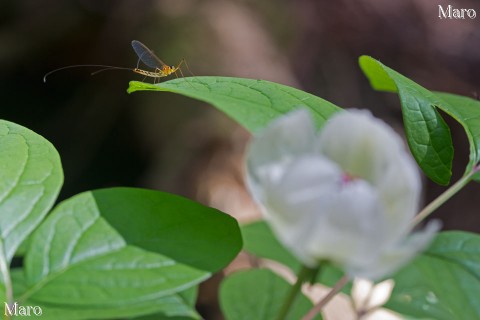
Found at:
[7, 280]
[302, 276]
[441, 199]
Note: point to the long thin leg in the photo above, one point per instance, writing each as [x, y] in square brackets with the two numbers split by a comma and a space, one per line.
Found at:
[188, 68]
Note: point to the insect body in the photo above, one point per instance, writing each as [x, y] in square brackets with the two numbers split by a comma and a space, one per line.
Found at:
[150, 59]
[145, 55]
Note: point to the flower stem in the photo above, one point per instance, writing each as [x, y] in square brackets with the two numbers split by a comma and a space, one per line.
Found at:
[302, 276]
[447, 194]
[333, 292]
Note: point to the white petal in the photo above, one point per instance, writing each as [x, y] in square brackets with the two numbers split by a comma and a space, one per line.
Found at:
[400, 190]
[381, 293]
[368, 148]
[355, 225]
[271, 149]
[398, 255]
[293, 203]
[361, 144]
[285, 138]
[321, 217]
[367, 295]
[361, 290]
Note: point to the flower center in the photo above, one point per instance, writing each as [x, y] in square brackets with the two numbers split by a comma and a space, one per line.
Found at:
[347, 178]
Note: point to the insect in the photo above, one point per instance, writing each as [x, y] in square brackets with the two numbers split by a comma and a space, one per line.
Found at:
[145, 55]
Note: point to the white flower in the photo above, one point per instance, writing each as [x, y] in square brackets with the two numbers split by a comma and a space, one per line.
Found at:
[347, 194]
[368, 296]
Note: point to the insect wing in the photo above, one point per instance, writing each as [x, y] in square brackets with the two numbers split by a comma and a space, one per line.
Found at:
[146, 55]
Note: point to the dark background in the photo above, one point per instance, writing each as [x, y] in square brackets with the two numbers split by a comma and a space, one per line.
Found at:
[159, 140]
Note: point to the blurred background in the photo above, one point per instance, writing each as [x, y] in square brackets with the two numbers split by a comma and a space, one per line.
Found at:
[107, 137]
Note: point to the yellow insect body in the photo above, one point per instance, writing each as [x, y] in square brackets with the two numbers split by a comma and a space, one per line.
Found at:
[145, 55]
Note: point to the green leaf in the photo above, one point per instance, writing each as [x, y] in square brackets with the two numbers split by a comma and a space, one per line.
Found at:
[30, 180]
[159, 316]
[443, 283]
[252, 103]
[258, 294]
[467, 112]
[427, 133]
[178, 306]
[173, 309]
[113, 250]
[184, 301]
[259, 240]
[209, 239]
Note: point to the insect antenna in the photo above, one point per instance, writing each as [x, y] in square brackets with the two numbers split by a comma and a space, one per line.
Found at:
[105, 67]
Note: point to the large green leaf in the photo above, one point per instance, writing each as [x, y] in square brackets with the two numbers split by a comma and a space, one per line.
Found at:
[259, 294]
[30, 180]
[113, 250]
[252, 103]
[443, 283]
[173, 307]
[427, 133]
[209, 239]
[178, 306]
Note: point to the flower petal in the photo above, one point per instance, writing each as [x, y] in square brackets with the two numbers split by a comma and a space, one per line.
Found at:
[346, 195]
[271, 149]
[292, 203]
[320, 217]
[353, 226]
[285, 138]
[368, 148]
[361, 144]
[398, 255]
